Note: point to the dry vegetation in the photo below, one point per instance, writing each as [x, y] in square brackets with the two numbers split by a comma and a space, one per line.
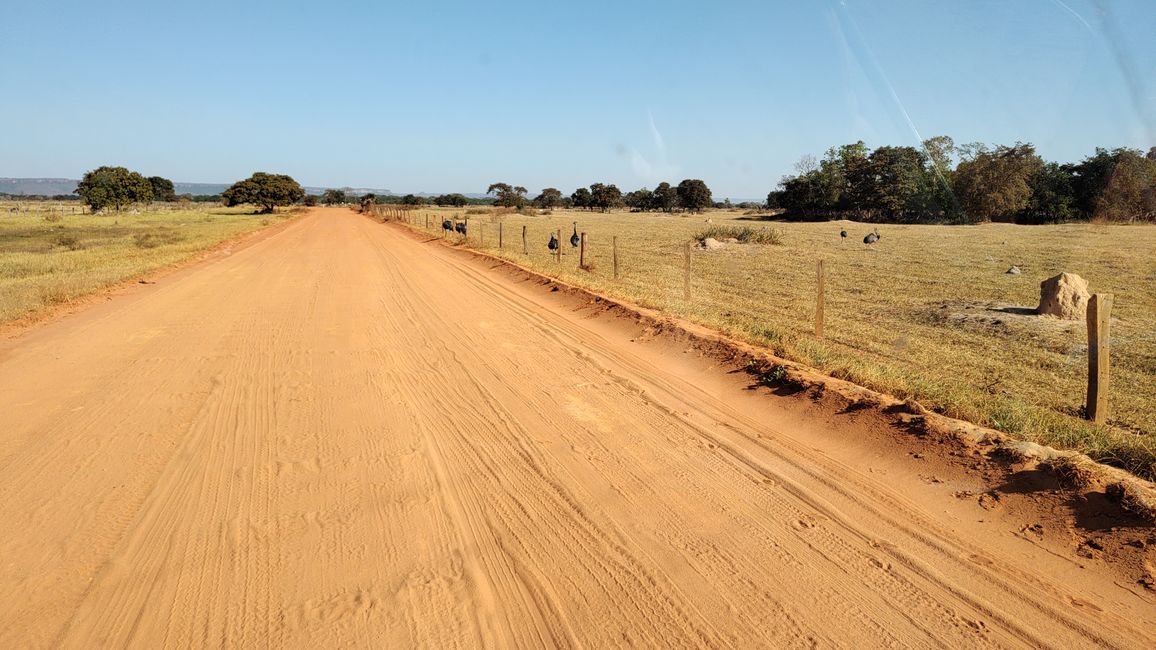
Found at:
[927, 313]
[50, 253]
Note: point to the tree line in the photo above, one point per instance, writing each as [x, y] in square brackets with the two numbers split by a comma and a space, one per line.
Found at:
[691, 195]
[117, 187]
[944, 183]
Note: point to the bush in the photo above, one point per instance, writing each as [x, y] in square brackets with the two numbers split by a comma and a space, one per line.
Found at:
[52, 217]
[69, 242]
[744, 234]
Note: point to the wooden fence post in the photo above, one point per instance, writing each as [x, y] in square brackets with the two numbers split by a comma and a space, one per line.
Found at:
[525, 248]
[1099, 337]
[686, 272]
[558, 251]
[499, 235]
[614, 245]
[819, 302]
[582, 252]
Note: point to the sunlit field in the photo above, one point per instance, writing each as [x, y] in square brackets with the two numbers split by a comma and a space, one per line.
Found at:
[928, 312]
[52, 253]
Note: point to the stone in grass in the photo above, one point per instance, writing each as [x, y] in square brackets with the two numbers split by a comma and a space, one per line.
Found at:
[711, 244]
[1015, 270]
[1064, 296]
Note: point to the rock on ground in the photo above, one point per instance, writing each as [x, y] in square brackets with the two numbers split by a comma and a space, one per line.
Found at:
[1064, 296]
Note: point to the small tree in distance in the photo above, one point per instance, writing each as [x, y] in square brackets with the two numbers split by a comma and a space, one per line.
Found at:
[693, 195]
[113, 187]
[508, 196]
[549, 199]
[162, 189]
[266, 191]
[333, 197]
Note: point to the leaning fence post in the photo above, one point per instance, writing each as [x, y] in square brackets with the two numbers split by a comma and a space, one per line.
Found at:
[819, 301]
[686, 272]
[1099, 342]
[582, 252]
[499, 235]
[614, 246]
[558, 250]
[525, 249]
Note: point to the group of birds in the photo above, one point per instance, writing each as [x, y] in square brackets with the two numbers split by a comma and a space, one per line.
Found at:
[871, 237]
[574, 239]
[448, 226]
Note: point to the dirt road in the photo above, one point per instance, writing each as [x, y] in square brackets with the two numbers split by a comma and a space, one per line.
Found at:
[342, 436]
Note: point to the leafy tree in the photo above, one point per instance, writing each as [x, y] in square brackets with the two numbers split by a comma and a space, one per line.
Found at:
[582, 199]
[549, 199]
[940, 151]
[895, 174]
[604, 197]
[266, 191]
[333, 197]
[508, 196]
[1053, 196]
[994, 184]
[693, 195]
[113, 187]
[162, 189]
[453, 200]
[412, 199]
[774, 200]
[665, 197]
[1116, 185]
[639, 200]
[309, 200]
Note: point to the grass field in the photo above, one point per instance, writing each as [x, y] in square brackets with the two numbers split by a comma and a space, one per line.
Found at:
[50, 254]
[928, 312]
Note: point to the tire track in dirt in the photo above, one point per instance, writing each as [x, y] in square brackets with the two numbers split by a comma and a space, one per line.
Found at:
[341, 437]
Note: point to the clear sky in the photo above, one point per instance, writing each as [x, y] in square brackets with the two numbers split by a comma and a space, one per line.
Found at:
[451, 96]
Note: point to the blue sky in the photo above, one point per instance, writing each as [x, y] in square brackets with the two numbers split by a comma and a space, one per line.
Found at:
[451, 96]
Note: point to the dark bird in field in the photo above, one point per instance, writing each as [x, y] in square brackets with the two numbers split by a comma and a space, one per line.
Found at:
[461, 227]
[574, 238]
[447, 226]
[843, 235]
[553, 245]
[871, 237]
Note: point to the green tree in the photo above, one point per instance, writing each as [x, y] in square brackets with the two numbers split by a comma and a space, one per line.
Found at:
[333, 197]
[113, 187]
[507, 195]
[895, 173]
[266, 191]
[640, 200]
[1053, 197]
[693, 195]
[310, 200]
[451, 200]
[549, 199]
[996, 183]
[412, 199]
[1116, 185]
[665, 197]
[605, 197]
[581, 199]
[162, 189]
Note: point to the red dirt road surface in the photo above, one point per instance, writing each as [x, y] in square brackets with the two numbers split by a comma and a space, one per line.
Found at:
[345, 436]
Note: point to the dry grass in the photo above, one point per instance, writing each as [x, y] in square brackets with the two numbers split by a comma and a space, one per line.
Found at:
[48, 256]
[917, 315]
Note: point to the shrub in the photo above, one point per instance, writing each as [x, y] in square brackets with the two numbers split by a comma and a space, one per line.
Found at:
[69, 242]
[744, 234]
[52, 217]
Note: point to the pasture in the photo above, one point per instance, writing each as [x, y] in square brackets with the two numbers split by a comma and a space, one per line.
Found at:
[51, 253]
[928, 312]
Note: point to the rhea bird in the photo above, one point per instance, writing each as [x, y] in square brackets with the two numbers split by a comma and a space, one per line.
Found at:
[447, 226]
[461, 228]
[872, 237]
[842, 235]
[553, 244]
[574, 238]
